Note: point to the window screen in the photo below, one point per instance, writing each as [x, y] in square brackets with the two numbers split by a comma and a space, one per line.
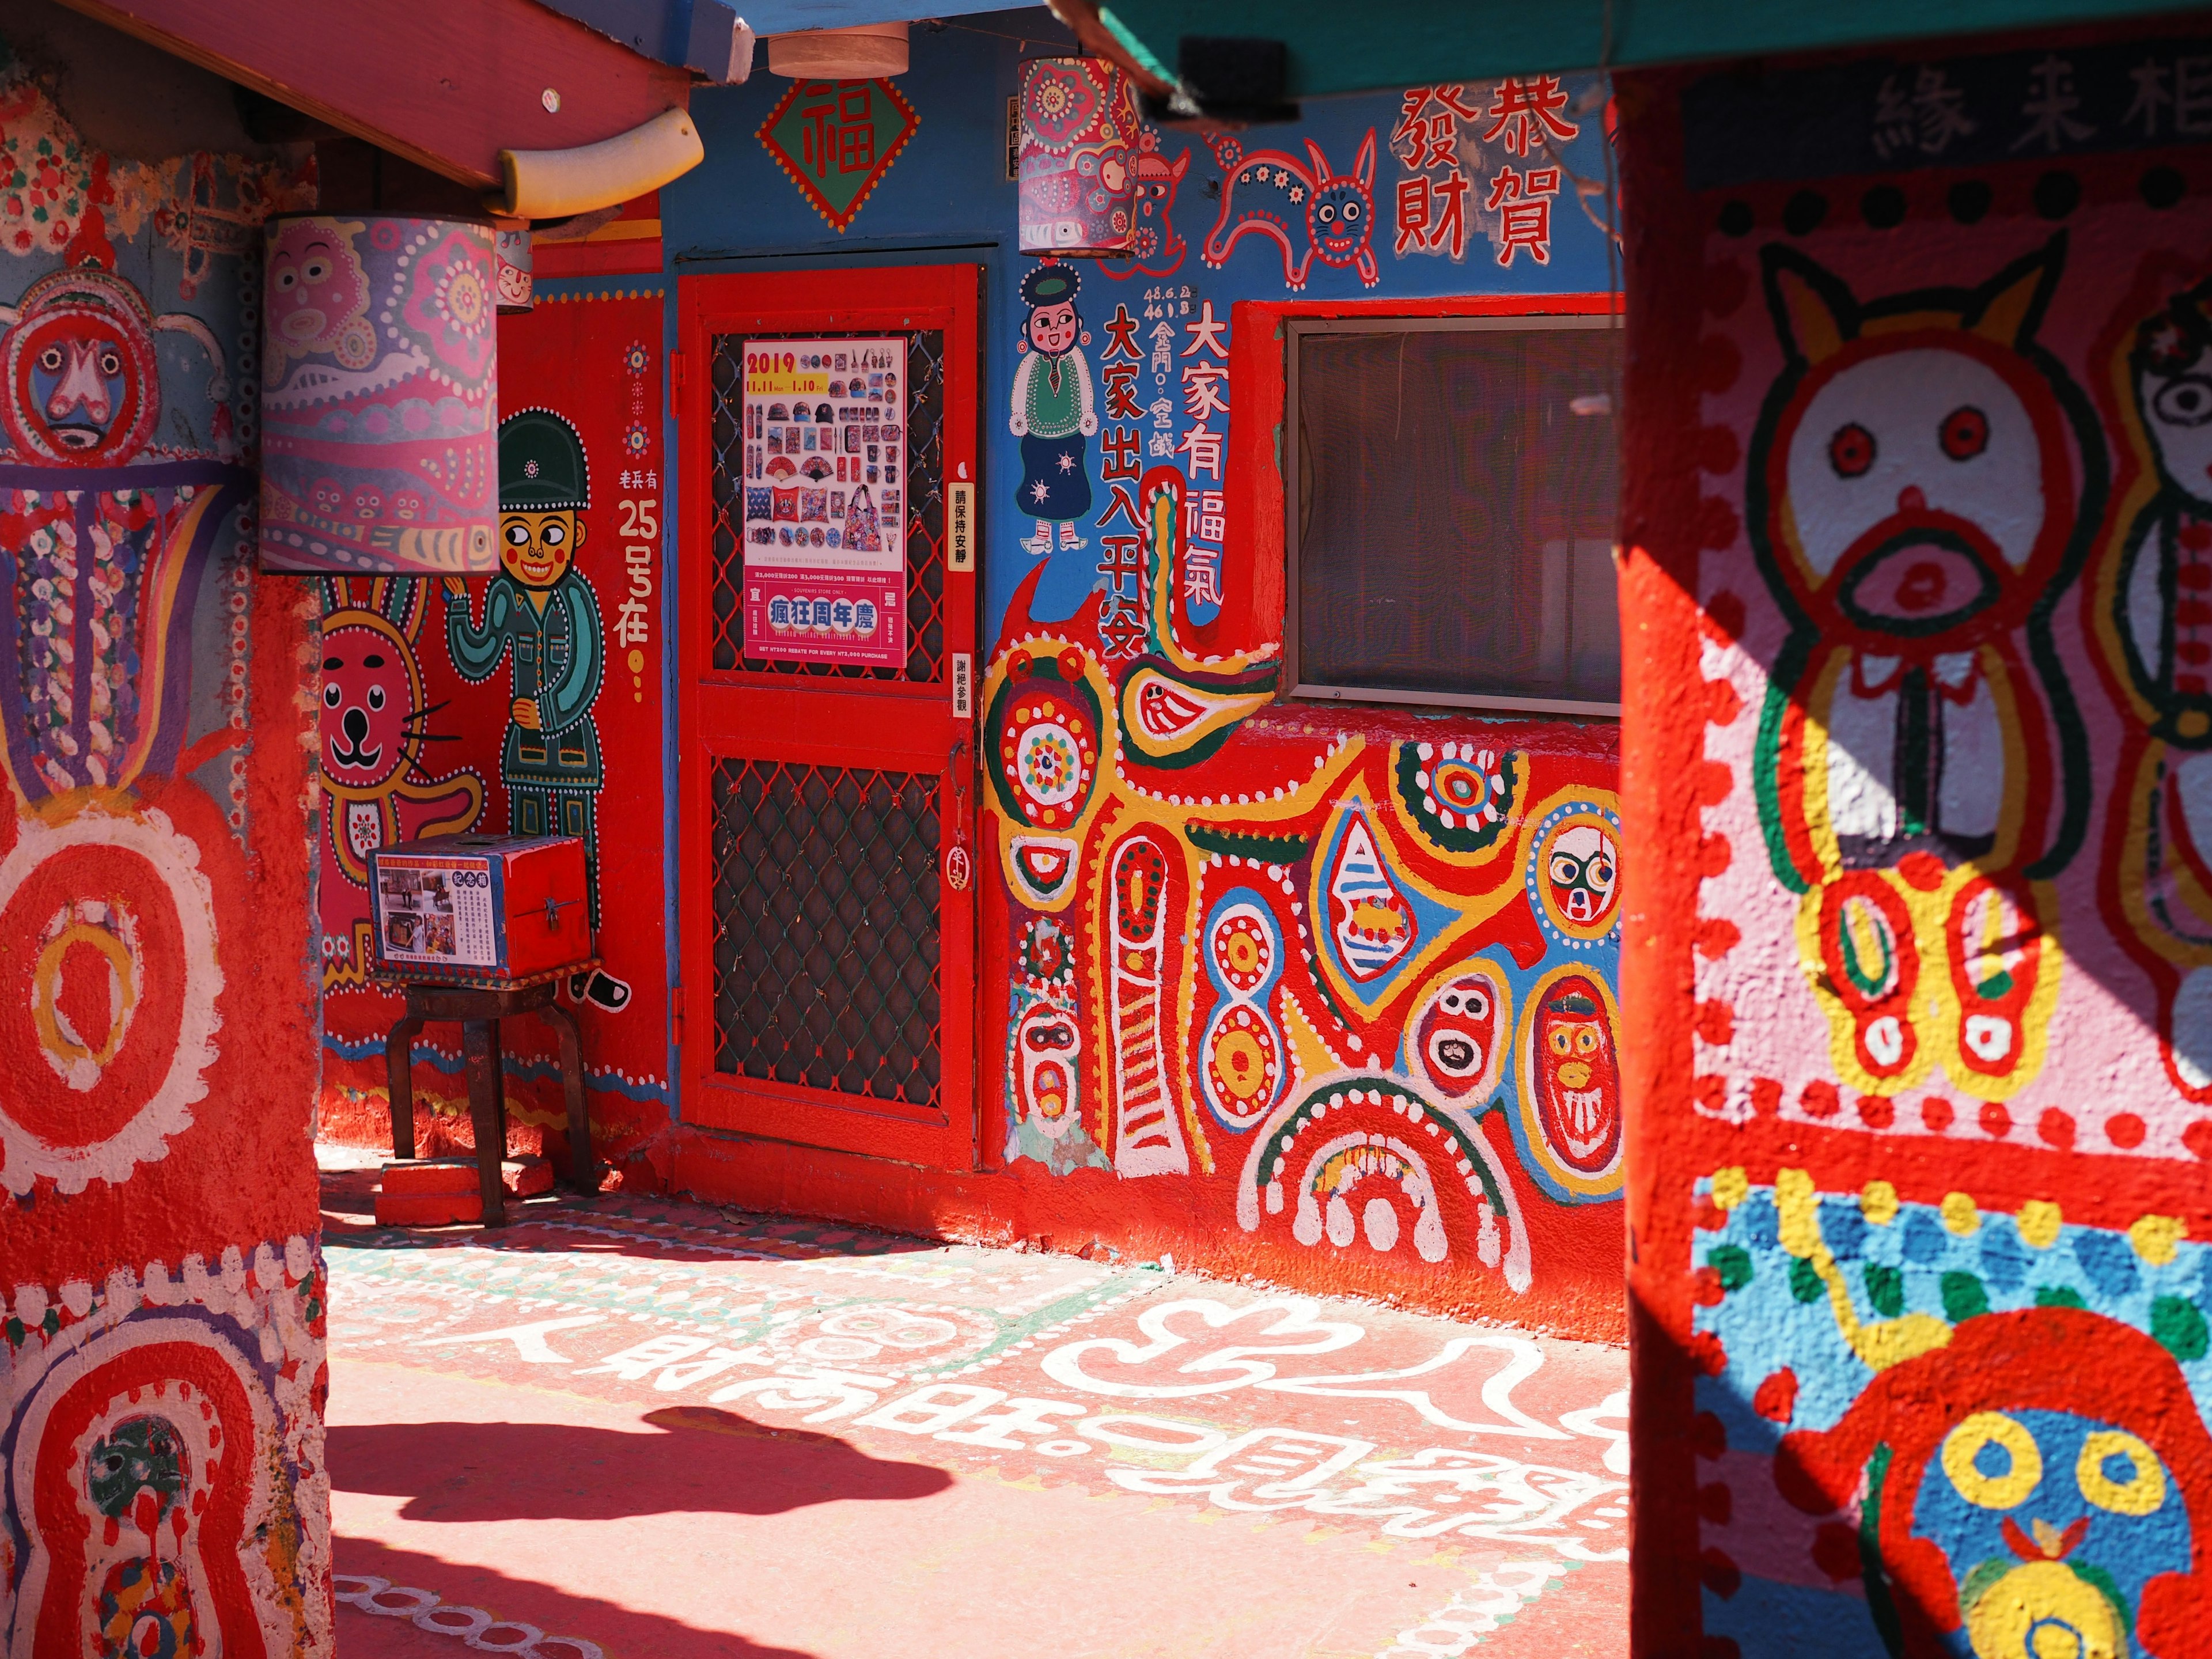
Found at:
[1454, 487]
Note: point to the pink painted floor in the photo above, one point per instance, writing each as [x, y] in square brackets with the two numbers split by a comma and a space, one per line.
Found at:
[627, 1427]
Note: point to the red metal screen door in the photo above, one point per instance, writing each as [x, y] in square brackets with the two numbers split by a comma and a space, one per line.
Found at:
[827, 774]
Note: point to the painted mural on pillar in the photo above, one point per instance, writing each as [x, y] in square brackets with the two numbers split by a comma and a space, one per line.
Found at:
[163, 1460]
[1931, 1379]
[528, 703]
[1909, 1445]
[1920, 489]
[1956, 589]
[162, 1366]
[123, 496]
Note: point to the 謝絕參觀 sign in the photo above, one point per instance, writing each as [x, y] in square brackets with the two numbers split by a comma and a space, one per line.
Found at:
[825, 492]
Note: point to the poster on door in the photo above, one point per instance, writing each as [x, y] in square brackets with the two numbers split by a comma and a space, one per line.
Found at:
[824, 496]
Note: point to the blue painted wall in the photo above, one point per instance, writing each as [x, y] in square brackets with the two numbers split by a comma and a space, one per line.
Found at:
[947, 196]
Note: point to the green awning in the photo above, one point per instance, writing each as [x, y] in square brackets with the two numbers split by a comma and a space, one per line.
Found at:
[1336, 47]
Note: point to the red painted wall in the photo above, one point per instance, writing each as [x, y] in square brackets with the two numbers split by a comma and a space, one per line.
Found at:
[1914, 510]
[590, 353]
[1060, 1176]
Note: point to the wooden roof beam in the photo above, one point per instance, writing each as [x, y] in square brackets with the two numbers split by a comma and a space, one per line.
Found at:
[448, 84]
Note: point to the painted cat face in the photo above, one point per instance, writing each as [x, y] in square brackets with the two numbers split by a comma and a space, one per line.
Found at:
[369, 694]
[1337, 219]
[1917, 482]
[1918, 479]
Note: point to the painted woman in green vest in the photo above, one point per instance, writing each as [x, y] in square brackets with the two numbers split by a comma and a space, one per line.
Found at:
[541, 613]
[1055, 410]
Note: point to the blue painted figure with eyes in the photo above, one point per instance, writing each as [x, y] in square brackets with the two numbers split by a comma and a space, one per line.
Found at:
[79, 385]
[2054, 1524]
[1274, 194]
[2022, 1490]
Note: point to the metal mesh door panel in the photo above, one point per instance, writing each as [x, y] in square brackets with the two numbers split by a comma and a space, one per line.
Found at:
[925, 528]
[826, 928]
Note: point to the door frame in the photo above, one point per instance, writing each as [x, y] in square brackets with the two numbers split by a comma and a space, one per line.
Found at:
[770, 714]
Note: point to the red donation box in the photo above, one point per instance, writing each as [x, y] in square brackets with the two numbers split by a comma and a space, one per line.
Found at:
[493, 911]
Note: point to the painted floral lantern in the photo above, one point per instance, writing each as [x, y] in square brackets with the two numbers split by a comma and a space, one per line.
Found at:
[1077, 150]
[380, 375]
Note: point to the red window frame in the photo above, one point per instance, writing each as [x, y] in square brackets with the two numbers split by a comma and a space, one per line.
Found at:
[1254, 557]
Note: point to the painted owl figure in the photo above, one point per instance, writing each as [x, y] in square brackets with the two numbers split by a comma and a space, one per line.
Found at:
[1923, 485]
[2035, 1487]
[2059, 1520]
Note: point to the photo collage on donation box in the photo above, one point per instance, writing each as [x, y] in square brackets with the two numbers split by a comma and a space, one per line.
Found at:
[437, 911]
[824, 489]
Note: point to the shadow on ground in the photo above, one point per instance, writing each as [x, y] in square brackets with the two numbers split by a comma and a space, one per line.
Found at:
[616, 1630]
[350, 1176]
[701, 1460]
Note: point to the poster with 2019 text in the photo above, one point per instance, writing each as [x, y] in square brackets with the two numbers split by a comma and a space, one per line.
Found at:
[825, 455]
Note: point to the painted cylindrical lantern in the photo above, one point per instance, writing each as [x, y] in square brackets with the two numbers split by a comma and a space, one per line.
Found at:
[380, 396]
[1078, 141]
[511, 247]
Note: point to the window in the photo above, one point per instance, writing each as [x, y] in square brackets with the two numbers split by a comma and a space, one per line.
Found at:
[1453, 491]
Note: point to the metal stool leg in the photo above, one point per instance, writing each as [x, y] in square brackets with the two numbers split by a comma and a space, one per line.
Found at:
[582, 1170]
[399, 1083]
[488, 1111]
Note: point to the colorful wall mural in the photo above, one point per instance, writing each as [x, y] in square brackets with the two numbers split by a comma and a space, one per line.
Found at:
[528, 702]
[162, 1373]
[1347, 980]
[1917, 1089]
[1324, 994]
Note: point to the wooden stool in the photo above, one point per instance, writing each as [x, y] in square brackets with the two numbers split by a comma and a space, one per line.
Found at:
[479, 1012]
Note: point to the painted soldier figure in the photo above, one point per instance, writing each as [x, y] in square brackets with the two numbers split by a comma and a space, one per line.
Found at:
[541, 612]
